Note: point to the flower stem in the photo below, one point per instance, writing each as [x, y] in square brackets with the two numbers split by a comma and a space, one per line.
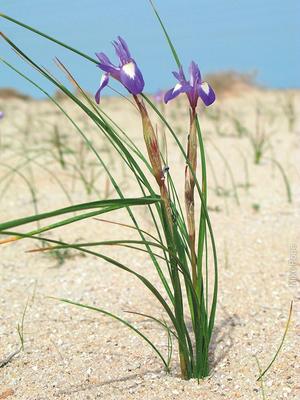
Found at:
[154, 155]
[189, 193]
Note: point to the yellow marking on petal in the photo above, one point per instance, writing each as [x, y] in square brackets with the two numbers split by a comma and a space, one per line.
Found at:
[129, 70]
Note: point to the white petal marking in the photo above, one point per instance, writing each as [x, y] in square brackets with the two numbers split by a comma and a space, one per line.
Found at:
[177, 87]
[205, 87]
[129, 70]
[103, 78]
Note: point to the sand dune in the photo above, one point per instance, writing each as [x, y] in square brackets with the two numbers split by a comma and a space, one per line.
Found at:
[72, 353]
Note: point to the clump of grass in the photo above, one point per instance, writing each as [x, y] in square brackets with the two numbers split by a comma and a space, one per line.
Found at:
[256, 207]
[216, 116]
[58, 143]
[259, 139]
[60, 256]
[76, 162]
[289, 111]
[238, 126]
[20, 331]
[262, 383]
[181, 247]
[223, 191]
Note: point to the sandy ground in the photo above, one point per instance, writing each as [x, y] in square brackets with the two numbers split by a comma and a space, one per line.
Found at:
[71, 353]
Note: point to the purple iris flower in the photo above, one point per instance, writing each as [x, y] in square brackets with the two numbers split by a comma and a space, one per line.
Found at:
[127, 72]
[194, 88]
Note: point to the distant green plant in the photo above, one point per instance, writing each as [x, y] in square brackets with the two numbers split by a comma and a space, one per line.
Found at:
[60, 256]
[285, 179]
[239, 127]
[256, 207]
[290, 111]
[262, 383]
[259, 139]
[74, 160]
[216, 116]
[20, 331]
[222, 191]
[246, 185]
[57, 140]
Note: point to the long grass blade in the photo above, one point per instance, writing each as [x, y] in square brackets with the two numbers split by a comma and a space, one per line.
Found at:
[105, 204]
[285, 179]
[137, 331]
[262, 386]
[281, 343]
[166, 34]
[30, 28]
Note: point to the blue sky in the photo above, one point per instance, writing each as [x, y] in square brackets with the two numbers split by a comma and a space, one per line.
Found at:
[262, 36]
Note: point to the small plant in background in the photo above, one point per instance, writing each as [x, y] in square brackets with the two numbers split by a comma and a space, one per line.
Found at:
[259, 139]
[239, 128]
[20, 331]
[57, 141]
[216, 116]
[222, 191]
[74, 159]
[188, 275]
[285, 179]
[256, 207]
[60, 256]
[246, 185]
[289, 111]
[262, 383]
[262, 372]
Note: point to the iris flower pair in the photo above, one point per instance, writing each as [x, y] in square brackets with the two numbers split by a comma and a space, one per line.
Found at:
[131, 77]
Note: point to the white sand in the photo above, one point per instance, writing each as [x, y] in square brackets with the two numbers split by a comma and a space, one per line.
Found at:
[71, 353]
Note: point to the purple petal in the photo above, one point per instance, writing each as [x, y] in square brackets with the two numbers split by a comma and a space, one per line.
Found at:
[179, 75]
[132, 78]
[177, 89]
[1, 114]
[103, 83]
[122, 50]
[125, 47]
[107, 66]
[195, 75]
[104, 59]
[206, 93]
